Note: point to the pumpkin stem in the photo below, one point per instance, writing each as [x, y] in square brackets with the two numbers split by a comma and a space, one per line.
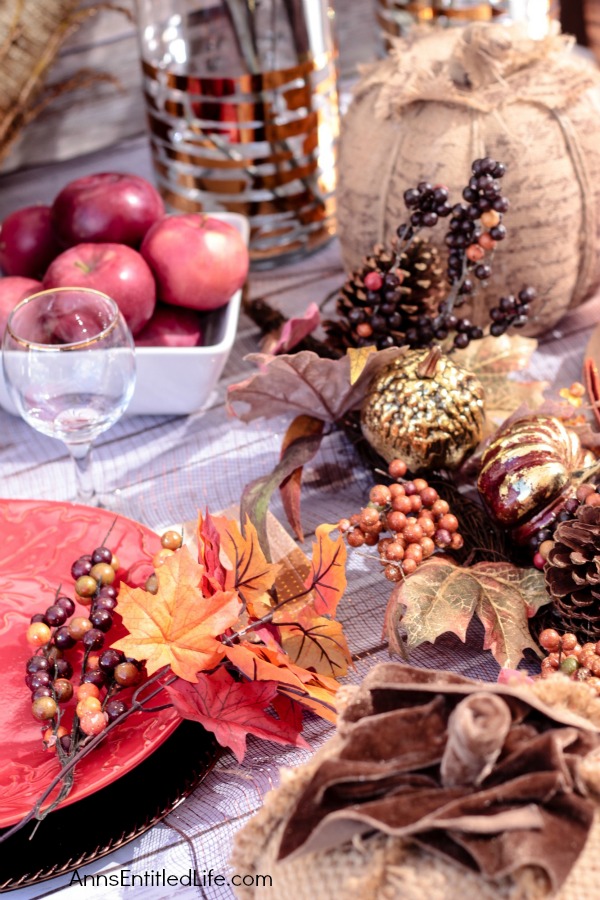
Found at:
[428, 366]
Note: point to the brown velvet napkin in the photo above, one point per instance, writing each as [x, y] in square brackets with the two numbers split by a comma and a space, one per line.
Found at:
[485, 774]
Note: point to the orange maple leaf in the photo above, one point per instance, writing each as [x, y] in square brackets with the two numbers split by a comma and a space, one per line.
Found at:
[251, 575]
[318, 644]
[318, 699]
[177, 626]
[327, 577]
[260, 663]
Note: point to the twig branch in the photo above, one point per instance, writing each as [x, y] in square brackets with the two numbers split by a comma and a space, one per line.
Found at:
[137, 705]
[270, 319]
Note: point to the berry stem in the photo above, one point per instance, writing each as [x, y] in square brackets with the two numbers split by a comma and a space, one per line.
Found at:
[86, 747]
[450, 301]
[108, 533]
[264, 620]
[402, 248]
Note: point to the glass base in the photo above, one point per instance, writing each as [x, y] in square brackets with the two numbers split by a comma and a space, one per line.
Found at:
[264, 263]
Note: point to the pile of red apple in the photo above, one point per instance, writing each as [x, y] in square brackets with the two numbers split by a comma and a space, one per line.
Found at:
[109, 232]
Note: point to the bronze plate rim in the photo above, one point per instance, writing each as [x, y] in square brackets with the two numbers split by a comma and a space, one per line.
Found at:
[183, 781]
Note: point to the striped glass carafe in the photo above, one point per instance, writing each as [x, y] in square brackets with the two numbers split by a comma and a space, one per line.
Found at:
[242, 107]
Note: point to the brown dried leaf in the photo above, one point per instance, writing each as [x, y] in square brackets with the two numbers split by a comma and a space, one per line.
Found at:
[304, 384]
[292, 332]
[257, 494]
[290, 488]
[442, 597]
[507, 353]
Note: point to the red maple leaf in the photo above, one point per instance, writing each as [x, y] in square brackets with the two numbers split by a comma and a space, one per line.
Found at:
[233, 709]
[209, 544]
[288, 711]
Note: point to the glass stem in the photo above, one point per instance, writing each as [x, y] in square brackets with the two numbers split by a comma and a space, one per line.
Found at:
[81, 456]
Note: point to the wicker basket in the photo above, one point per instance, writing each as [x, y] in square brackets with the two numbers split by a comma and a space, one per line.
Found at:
[32, 33]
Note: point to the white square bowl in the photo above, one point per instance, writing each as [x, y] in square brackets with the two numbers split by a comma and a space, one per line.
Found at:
[180, 380]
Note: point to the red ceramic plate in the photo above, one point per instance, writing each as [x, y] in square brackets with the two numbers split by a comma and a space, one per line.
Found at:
[38, 543]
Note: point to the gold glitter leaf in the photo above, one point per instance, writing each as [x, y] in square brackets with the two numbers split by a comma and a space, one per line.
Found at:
[358, 360]
[493, 360]
[442, 597]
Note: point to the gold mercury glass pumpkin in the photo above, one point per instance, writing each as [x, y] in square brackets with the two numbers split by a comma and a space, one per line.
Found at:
[425, 409]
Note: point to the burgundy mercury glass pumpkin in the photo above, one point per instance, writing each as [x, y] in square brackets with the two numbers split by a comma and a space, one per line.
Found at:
[529, 471]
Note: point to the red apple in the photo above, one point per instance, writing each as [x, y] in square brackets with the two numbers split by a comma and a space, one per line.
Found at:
[27, 242]
[13, 289]
[114, 269]
[108, 207]
[171, 326]
[198, 261]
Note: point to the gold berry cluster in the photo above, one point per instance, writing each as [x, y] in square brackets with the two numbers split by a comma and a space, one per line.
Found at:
[407, 521]
[171, 542]
[581, 662]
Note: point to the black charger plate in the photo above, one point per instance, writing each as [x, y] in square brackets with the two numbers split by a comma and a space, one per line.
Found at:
[106, 820]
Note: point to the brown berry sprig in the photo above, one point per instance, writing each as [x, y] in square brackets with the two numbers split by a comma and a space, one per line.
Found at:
[566, 655]
[475, 229]
[407, 521]
[59, 630]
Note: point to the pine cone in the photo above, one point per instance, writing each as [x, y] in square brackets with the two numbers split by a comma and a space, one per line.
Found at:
[409, 292]
[572, 573]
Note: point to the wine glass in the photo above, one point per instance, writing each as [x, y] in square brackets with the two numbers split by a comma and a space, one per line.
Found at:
[69, 363]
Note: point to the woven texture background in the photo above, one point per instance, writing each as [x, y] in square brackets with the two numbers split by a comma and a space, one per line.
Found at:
[31, 33]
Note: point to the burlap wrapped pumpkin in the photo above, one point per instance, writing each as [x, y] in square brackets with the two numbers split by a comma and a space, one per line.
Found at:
[444, 98]
[496, 788]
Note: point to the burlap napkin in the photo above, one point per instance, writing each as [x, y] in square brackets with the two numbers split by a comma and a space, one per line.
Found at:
[436, 786]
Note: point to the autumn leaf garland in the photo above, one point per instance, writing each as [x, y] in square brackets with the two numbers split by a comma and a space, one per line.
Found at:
[321, 392]
[247, 655]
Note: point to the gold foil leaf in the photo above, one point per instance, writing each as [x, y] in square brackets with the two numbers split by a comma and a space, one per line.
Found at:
[493, 360]
[442, 597]
[358, 360]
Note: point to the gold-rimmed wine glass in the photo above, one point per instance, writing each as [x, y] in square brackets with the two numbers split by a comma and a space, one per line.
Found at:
[69, 364]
